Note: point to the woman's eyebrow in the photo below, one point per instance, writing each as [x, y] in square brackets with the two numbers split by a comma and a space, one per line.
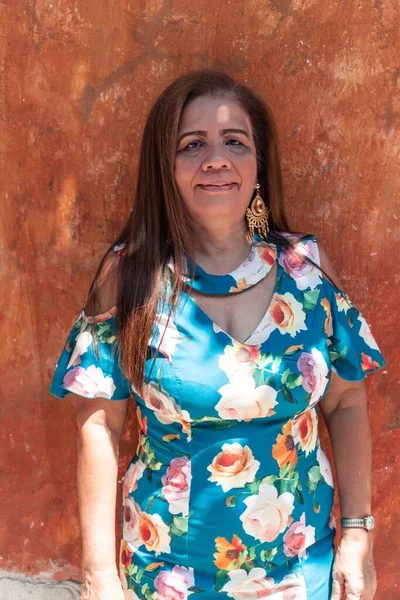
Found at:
[221, 132]
[235, 130]
[196, 132]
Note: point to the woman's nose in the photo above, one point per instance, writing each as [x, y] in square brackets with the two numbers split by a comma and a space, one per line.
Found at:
[215, 158]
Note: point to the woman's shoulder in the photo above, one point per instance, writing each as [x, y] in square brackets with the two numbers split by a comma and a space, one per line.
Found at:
[310, 246]
[304, 244]
[103, 295]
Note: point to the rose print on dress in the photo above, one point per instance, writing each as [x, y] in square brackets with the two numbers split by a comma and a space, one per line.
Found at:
[248, 586]
[305, 430]
[89, 383]
[304, 274]
[239, 358]
[175, 584]
[176, 485]
[165, 408]
[315, 371]
[131, 533]
[243, 401]
[298, 538]
[267, 514]
[255, 584]
[287, 314]
[154, 533]
[233, 467]
[235, 556]
[143, 528]
[133, 474]
[258, 264]
[284, 314]
[266, 253]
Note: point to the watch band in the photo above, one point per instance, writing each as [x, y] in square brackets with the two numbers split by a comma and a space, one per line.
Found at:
[366, 522]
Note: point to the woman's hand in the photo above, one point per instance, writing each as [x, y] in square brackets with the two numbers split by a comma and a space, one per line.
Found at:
[354, 575]
[102, 585]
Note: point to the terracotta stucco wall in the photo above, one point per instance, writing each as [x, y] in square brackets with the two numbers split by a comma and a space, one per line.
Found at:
[79, 77]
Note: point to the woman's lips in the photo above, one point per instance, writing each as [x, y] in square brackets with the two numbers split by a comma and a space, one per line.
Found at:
[217, 188]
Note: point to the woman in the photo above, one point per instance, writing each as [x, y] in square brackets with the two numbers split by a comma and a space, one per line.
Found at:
[227, 338]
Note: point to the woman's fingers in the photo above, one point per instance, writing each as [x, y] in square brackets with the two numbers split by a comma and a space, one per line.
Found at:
[338, 587]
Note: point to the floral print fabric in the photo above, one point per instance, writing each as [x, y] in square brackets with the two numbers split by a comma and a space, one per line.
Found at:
[230, 493]
[88, 365]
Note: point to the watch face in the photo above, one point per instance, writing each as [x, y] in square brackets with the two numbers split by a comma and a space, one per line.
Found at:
[369, 522]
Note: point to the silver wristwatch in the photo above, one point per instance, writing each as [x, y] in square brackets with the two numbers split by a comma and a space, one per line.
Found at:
[366, 522]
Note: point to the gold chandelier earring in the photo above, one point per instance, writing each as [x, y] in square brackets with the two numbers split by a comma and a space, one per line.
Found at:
[257, 215]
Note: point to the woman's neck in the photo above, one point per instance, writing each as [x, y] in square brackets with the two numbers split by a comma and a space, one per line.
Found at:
[219, 251]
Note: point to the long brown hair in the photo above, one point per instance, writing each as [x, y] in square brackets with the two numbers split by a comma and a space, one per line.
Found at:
[158, 228]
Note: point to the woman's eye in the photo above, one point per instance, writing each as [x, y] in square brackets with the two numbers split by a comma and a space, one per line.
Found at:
[193, 146]
[235, 142]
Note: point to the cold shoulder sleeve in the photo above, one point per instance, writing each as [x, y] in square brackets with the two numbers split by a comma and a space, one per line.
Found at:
[89, 362]
[88, 365]
[353, 350]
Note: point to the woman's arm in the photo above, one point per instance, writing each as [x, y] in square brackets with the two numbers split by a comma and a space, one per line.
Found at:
[100, 425]
[345, 410]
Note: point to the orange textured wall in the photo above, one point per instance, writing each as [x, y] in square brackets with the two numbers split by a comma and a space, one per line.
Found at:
[79, 78]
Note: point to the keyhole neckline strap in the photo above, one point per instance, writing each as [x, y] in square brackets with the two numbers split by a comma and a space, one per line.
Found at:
[251, 271]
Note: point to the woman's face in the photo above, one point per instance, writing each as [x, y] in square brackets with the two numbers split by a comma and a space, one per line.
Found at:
[216, 163]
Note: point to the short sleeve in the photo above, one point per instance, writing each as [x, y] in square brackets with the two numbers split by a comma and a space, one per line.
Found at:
[352, 348]
[88, 365]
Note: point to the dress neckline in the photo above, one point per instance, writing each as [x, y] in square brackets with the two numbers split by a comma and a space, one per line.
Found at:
[254, 268]
[251, 271]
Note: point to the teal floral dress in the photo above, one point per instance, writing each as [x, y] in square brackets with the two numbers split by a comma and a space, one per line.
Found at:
[229, 494]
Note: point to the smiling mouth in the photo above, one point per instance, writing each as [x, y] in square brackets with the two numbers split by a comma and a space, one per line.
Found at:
[217, 187]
